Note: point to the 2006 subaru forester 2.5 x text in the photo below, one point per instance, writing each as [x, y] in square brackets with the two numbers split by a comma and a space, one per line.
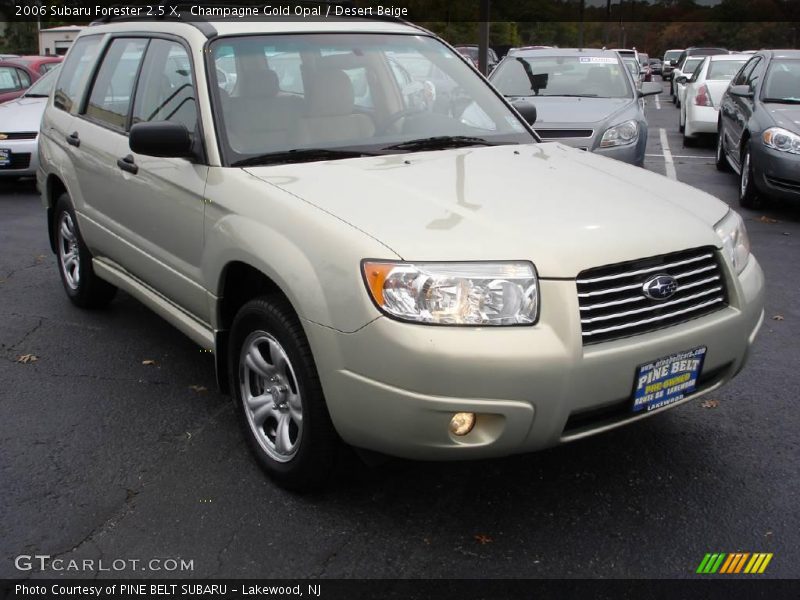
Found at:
[371, 262]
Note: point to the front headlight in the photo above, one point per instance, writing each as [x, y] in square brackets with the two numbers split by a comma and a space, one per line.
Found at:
[781, 140]
[490, 293]
[620, 135]
[735, 243]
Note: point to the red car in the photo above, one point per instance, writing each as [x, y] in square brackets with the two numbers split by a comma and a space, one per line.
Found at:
[17, 74]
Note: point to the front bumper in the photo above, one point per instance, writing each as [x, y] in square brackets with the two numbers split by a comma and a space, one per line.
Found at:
[392, 387]
[24, 158]
[777, 174]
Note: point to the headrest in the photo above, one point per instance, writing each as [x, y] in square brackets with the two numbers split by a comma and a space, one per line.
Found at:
[331, 94]
[256, 78]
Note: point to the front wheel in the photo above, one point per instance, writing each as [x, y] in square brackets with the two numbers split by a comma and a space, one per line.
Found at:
[279, 396]
[83, 287]
[748, 196]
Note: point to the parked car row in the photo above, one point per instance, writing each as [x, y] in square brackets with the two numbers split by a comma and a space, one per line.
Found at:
[751, 101]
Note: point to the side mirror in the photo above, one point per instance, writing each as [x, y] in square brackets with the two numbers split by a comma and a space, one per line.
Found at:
[743, 91]
[526, 109]
[161, 138]
[681, 79]
[650, 88]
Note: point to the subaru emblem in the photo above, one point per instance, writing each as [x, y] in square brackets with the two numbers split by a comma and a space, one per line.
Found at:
[660, 287]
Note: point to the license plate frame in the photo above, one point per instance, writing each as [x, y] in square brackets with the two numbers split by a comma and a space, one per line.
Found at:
[667, 380]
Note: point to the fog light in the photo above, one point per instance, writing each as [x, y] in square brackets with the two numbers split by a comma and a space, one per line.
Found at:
[462, 423]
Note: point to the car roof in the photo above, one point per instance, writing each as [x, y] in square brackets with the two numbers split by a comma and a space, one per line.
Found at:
[564, 52]
[229, 27]
[736, 56]
[783, 53]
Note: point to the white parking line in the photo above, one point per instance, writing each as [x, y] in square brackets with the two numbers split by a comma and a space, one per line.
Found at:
[657, 101]
[707, 157]
[670, 166]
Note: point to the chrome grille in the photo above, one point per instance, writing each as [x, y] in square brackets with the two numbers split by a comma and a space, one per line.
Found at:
[613, 305]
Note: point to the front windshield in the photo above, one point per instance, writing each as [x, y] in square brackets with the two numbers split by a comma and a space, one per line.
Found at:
[284, 93]
[44, 85]
[592, 76]
[690, 65]
[783, 81]
[724, 70]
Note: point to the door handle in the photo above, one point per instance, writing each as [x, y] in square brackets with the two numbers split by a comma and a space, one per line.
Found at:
[127, 164]
[73, 139]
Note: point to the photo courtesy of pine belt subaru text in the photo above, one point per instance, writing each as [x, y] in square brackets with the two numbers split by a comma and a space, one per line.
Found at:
[377, 247]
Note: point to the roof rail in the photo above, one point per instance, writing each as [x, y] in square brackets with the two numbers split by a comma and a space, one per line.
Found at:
[173, 11]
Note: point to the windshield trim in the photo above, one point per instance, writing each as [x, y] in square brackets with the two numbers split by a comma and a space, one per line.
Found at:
[225, 154]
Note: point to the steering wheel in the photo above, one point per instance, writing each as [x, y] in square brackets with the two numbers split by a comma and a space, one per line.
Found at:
[394, 118]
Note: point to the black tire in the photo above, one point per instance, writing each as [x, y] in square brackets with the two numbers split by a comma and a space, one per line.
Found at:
[748, 195]
[83, 287]
[720, 159]
[288, 378]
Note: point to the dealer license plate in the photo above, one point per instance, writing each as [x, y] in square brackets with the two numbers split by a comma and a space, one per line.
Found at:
[5, 157]
[667, 380]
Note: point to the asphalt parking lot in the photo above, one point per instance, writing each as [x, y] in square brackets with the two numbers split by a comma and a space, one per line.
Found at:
[106, 457]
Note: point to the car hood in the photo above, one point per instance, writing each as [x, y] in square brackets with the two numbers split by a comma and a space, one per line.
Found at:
[564, 209]
[22, 115]
[559, 110]
[785, 115]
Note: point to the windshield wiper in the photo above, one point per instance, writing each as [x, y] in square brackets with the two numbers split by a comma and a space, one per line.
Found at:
[36, 95]
[782, 100]
[570, 95]
[440, 142]
[299, 155]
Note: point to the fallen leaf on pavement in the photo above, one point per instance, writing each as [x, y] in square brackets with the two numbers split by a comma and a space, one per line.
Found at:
[777, 318]
[710, 404]
[766, 219]
[27, 358]
[40, 258]
[483, 539]
[198, 388]
[149, 362]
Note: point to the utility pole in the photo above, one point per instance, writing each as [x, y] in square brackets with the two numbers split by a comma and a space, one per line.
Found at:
[607, 32]
[483, 38]
[580, 27]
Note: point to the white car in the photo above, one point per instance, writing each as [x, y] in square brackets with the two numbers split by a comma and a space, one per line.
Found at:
[19, 129]
[684, 70]
[702, 94]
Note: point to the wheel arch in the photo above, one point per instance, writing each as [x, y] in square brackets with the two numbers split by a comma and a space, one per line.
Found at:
[54, 187]
[239, 282]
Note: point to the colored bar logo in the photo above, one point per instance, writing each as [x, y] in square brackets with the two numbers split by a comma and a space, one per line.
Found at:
[735, 563]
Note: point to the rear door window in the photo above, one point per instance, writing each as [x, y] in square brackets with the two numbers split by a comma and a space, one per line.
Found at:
[75, 73]
[110, 99]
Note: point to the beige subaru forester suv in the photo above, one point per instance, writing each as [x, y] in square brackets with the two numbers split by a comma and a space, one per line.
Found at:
[377, 247]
